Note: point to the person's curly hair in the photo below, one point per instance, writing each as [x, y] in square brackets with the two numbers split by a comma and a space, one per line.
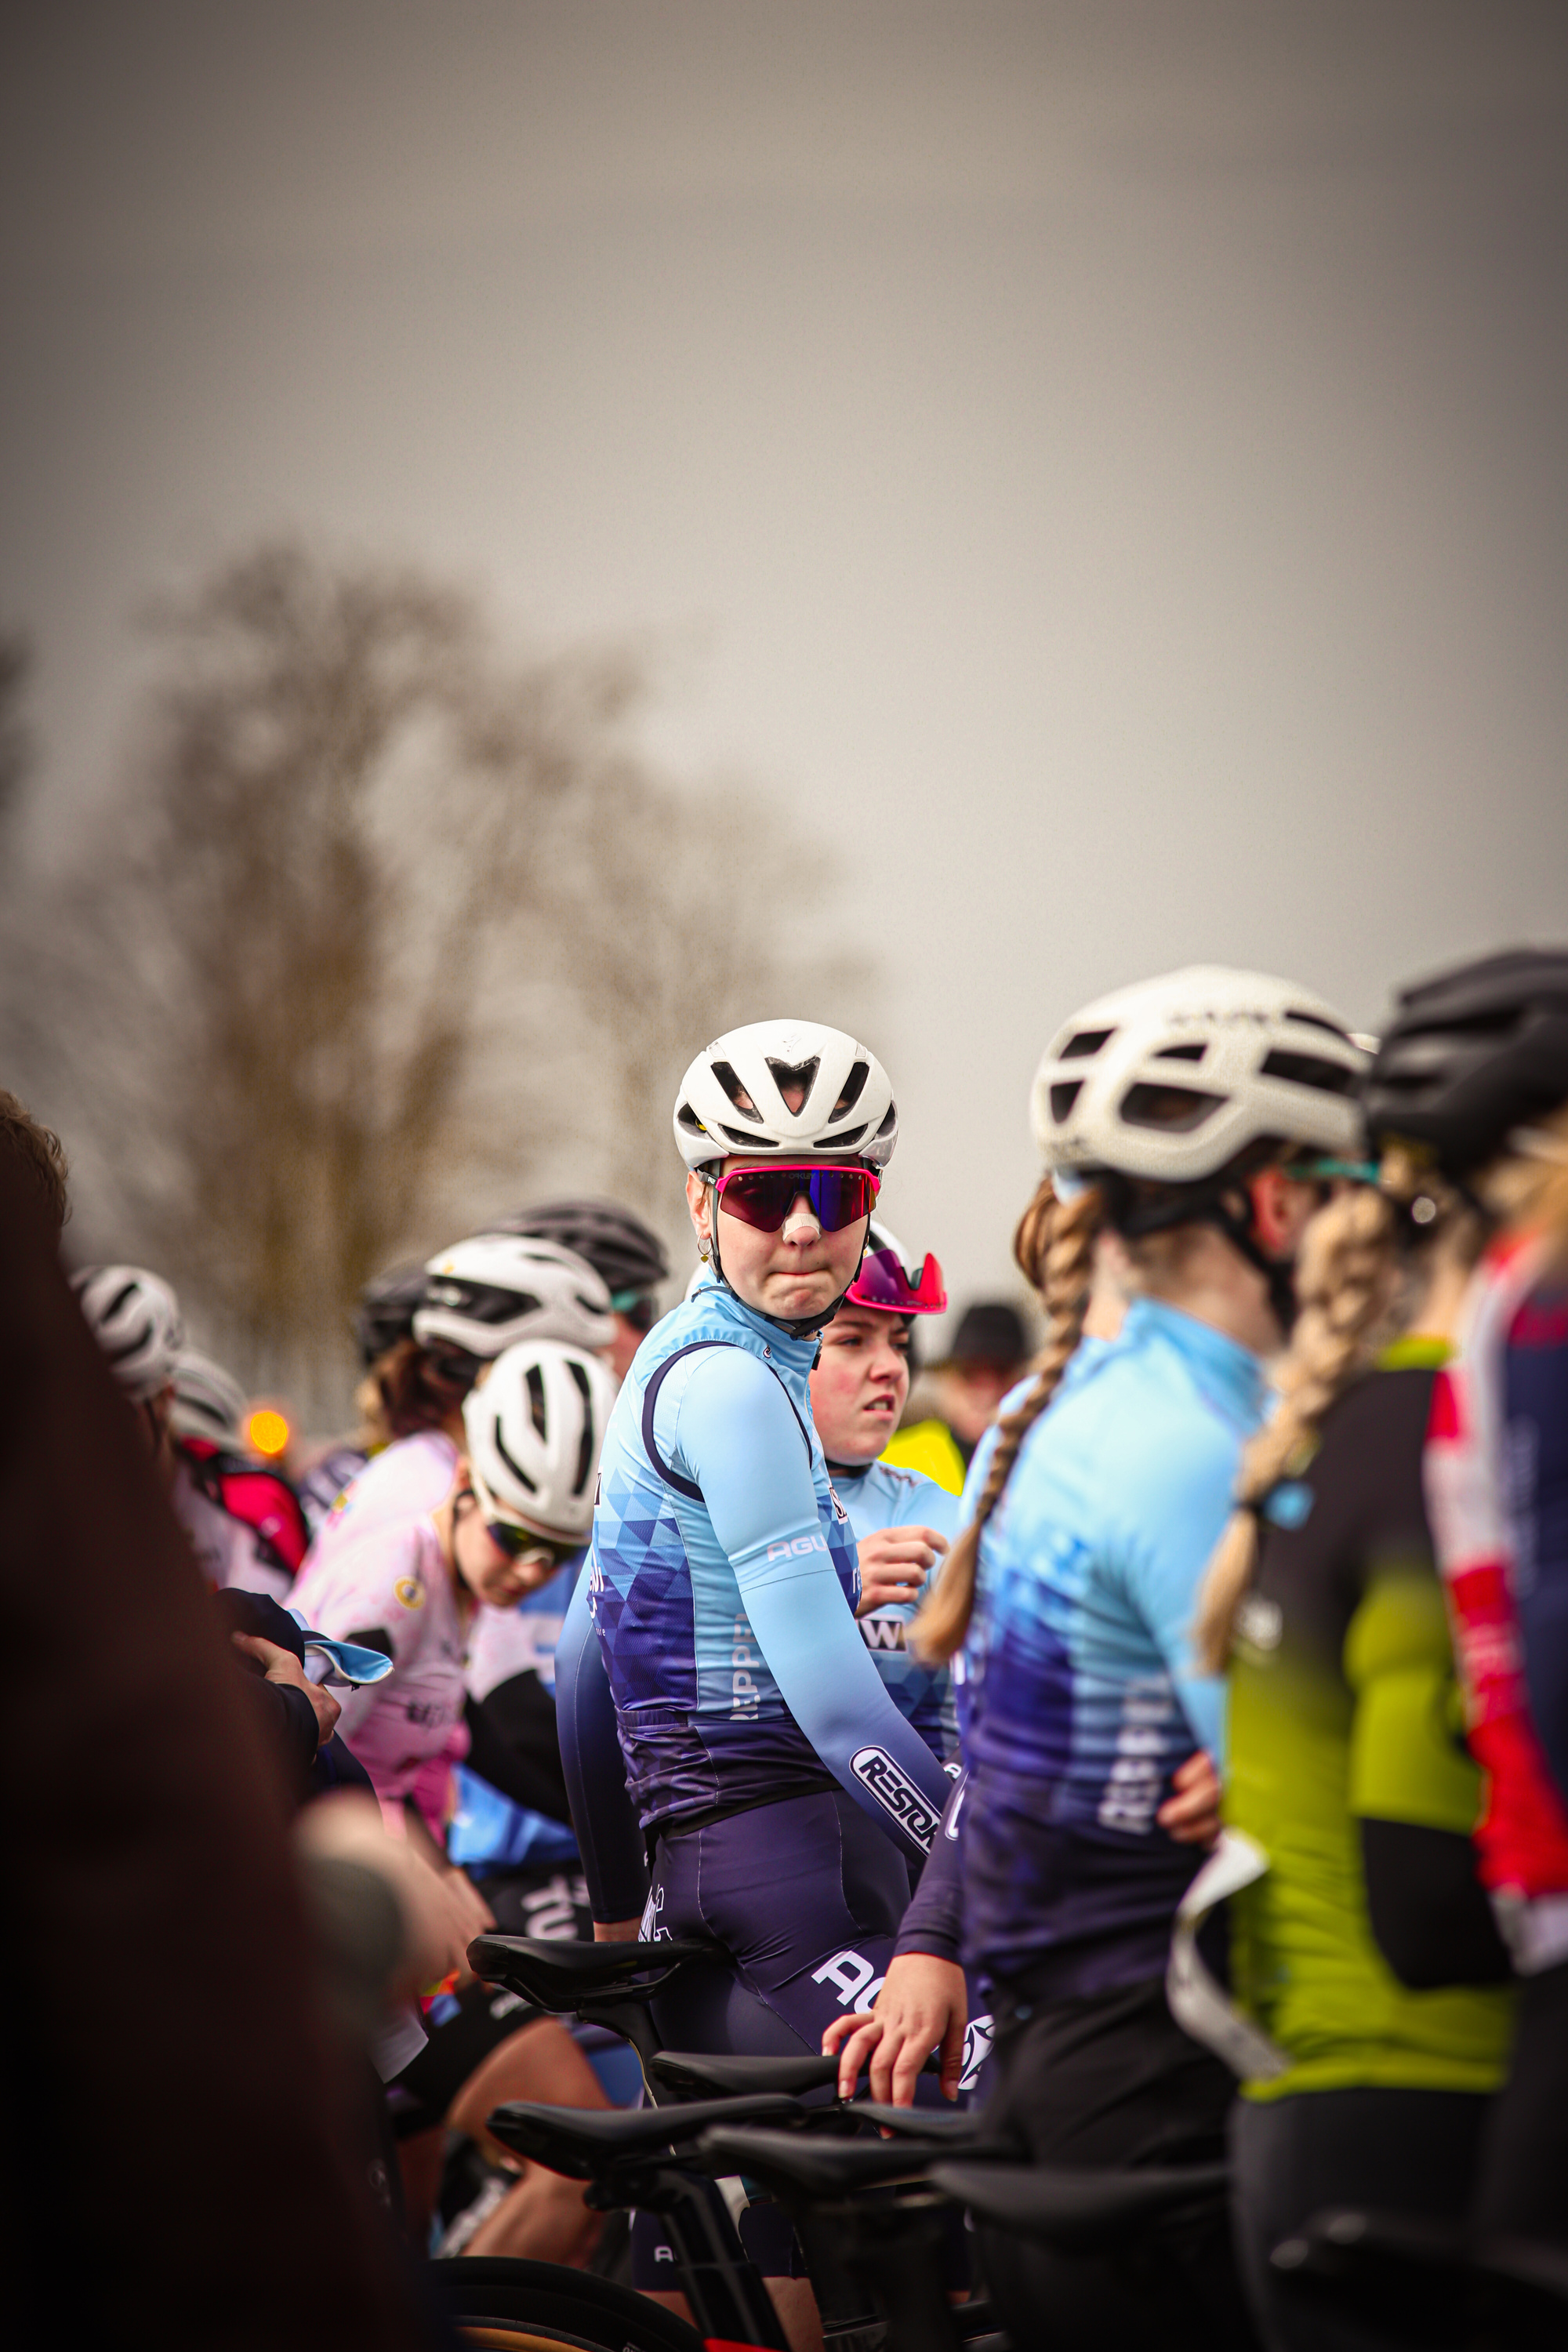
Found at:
[38, 1151]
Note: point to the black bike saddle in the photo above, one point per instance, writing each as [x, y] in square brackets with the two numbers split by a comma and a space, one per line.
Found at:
[582, 2142]
[691, 2072]
[1080, 2210]
[563, 1976]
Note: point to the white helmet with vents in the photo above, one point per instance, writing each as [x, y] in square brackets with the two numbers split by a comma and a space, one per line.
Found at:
[135, 1319]
[489, 1293]
[795, 1087]
[209, 1401]
[534, 1425]
[1171, 1079]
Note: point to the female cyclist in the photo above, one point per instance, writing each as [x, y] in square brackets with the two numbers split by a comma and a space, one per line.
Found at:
[723, 1576]
[902, 1522]
[1475, 1072]
[1178, 1112]
[518, 1503]
[1365, 1951]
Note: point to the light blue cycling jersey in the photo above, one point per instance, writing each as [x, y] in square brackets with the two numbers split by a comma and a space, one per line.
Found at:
[1084, 1695]
[876, 1496]
[722, 1583]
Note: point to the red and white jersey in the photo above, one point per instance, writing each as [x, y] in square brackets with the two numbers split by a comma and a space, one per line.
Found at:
[407, 1480]
[228, 1550]
[1522, 1837]
[404, 1729]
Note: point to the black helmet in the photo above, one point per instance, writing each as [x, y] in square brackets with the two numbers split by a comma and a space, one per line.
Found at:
[385, 1311]
[1471, 1055]
[618, 1245]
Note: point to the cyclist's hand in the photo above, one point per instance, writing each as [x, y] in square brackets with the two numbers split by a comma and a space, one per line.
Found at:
[280, 1665]
[923, 2002]
[895, 1563]
[616, 1931]
[1191, 1815]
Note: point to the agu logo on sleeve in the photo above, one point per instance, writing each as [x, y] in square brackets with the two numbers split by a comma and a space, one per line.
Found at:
[896, 1793]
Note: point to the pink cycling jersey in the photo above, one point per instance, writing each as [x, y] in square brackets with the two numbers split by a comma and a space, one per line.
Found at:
[409, 1480]
[406, 1730]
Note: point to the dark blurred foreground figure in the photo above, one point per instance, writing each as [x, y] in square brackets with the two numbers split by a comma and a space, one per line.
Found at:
[163, 2014]
[37, 1155]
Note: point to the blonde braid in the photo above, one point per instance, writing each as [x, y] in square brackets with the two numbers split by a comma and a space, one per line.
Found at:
[1054, 1246]
[1345, 1282]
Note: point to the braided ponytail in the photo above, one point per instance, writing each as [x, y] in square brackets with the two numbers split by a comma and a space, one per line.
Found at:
[1345, 1282]
[1054, 1246]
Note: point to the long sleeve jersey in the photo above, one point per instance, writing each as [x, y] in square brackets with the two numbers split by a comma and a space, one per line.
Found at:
[722, 1584]
[1084, 1692]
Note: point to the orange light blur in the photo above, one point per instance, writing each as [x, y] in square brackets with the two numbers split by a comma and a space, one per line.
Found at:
[267, 1432]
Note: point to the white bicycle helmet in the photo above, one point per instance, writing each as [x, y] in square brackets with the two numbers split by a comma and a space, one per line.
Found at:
[534, 1425]
[796, 1088]
[209, 1401]
[1170, 1079]
[135, 1319]
[493, 1291]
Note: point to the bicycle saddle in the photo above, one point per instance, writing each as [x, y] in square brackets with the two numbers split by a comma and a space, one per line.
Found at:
[690, 2070]
[1080, 2210]
[582, 2142]
[953, 2127]
[803, 2164]
[562, 1976]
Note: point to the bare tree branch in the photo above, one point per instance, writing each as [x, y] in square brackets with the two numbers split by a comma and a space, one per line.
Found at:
[381, 921]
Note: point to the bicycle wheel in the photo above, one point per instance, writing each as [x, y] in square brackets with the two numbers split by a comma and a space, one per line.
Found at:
[501, 2305]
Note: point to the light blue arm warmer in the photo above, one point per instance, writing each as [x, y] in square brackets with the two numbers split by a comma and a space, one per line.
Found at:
[738, 1435]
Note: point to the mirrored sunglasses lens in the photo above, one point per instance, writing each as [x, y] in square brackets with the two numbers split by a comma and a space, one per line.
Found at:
[840, 1196]
[759, 1197]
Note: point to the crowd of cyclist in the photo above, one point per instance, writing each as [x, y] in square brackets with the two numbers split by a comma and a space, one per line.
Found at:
[1193, 1781]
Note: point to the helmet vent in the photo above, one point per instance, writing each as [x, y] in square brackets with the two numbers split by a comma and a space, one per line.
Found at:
[1175, 1111]
[728, 1079]
[890, 1121]
[842, 1142]
[1064, 1094]
[586, 1444]
[854, 1087]
[516, 1468]
[536, 1399]
[688, 1118]
[748, 1142]
[795, 1081]
[1180, 1053]
[1310, 1070]
[1086, 1042]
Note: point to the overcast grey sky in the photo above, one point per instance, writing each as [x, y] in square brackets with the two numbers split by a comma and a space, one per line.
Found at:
[1103, 465]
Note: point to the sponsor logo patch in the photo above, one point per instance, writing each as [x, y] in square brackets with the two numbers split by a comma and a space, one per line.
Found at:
[896, 1793]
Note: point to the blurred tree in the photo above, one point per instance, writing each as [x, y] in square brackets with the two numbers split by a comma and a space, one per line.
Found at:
[376, 909]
